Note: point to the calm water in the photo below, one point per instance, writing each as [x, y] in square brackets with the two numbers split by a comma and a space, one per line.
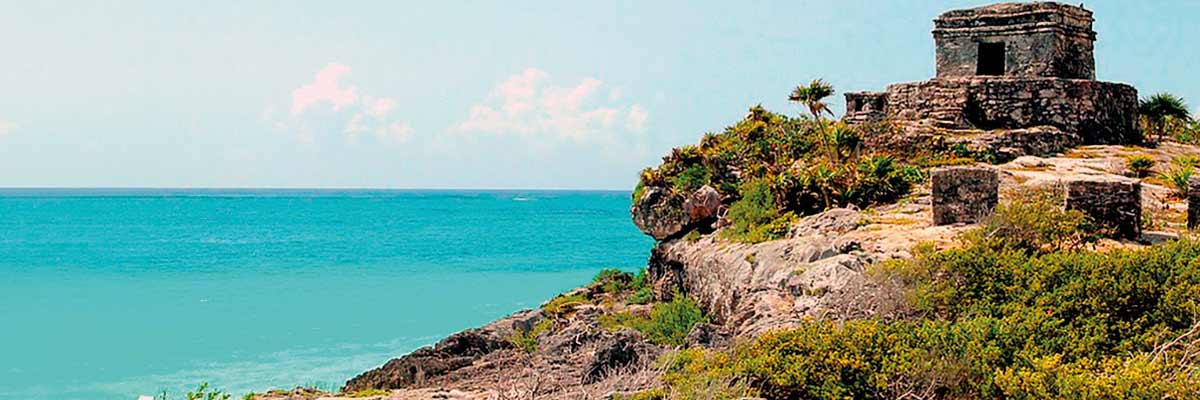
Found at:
[108, 294]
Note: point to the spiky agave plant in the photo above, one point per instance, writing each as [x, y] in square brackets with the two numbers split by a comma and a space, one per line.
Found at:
[1156, 110]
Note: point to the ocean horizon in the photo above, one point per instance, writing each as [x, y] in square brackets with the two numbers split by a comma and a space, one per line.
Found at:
[112, 293]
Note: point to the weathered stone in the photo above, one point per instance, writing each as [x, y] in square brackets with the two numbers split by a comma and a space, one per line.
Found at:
[1099, 112]
[963, 194]
[454, 352]
[1011, 66]
[622, 351]
[1193, 219]
[1031, 39]
[865, 106]
[662, 213]
[702, 204]
[1113, 204]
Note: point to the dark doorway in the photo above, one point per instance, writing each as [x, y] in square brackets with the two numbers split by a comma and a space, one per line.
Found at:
[991, 59]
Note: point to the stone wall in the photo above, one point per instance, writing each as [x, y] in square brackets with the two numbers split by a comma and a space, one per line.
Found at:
[963, 194]
[865, 107]
[1193, 200]
[1039, 40]
[1099, 112]
[1115, 204]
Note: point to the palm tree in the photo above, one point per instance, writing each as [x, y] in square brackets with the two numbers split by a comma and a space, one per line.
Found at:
[1158, 109]
[813, 97]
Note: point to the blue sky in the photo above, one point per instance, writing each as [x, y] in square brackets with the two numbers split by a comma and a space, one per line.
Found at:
[449, 94]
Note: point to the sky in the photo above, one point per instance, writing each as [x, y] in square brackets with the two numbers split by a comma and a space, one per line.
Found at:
[457, 94]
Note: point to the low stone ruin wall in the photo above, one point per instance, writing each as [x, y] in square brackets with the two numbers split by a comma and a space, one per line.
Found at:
[1099, 112]
[1193, 200]
[1115, 204]
[963, 194]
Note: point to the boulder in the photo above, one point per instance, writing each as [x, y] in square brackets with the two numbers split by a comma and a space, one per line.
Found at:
[662, 213]
[619, 353]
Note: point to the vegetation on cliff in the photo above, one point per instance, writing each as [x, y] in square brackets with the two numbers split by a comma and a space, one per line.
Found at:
[1021, 310]
[774, 167]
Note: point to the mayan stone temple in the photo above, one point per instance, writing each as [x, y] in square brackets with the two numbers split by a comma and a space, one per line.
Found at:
[1011, 66]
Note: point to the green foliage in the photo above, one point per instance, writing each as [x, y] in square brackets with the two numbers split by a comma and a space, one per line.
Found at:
[204, 392]
[692, 178]
[370, 393]
[771, 167]
[560, 306]
[1178, 178]
[1139, 164]
[643, 295]
[668, 324]
[755, 217]
[527, 339]
[999, 323]
[1160, 111]
[1035, 221]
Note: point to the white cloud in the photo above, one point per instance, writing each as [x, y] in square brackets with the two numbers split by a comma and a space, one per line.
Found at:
[353, 111]
[637, 119]
[324, 88]
[526, 104]
[394, 133]
[7, 127]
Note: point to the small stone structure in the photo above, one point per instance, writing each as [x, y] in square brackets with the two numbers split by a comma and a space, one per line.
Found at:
[1042, 39]
[1011, 66]
[963, 194]
[1193, 219]
[1115, 204]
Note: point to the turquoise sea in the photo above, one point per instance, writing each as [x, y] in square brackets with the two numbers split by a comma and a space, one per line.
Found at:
[111, 294]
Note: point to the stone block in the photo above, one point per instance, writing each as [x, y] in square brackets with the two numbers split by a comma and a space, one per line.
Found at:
[1113, 204]
[963, 194]
[1193, 200]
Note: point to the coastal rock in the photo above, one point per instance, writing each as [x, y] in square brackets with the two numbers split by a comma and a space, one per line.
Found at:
[707, 335]
[662, 213]
[452, 353]
[619, 353]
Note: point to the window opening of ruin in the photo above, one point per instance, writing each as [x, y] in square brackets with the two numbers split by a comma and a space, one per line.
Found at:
[991, 59]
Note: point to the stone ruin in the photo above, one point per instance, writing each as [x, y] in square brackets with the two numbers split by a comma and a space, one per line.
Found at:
[1114, 204]
[963, 194]
[1193, 201]
[1011, 66]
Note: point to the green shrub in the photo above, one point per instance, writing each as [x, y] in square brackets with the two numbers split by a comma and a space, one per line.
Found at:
[560, 306]
[1178, 178]
[527, 339]
[692, 178]
[999, 323]
[755, 218]
[1140, 165]
[1035, 220]
[643, 295]
[668, 324]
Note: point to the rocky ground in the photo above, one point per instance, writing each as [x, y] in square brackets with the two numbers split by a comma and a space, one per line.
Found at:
[818, 271]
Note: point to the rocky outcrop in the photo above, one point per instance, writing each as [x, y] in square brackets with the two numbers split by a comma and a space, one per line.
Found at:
[662, 213]
[452, 353]
[750, 289]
